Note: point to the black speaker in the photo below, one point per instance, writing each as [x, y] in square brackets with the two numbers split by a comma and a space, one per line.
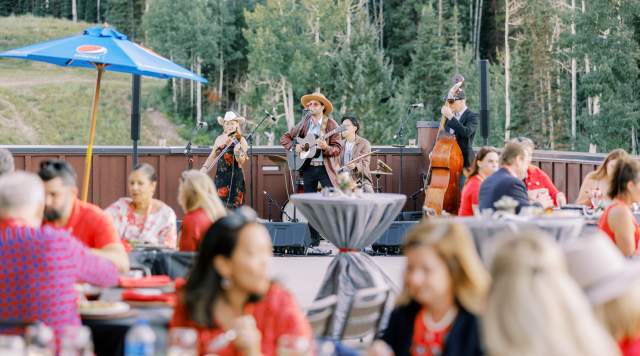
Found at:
[135, 108]
[484, 100]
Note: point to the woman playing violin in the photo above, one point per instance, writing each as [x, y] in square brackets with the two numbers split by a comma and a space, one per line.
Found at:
[229, 176]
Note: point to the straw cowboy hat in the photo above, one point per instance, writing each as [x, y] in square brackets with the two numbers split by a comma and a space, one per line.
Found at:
[230, 116]
[328, 107]
[600, 269]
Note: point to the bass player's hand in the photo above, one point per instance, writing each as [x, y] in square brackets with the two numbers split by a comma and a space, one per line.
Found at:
[298, 148]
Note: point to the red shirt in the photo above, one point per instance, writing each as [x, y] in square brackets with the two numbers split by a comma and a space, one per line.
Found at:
[276, 314]
[194, 225]
[91, 225]
[470, 195]
[603, 224]
[427, 342]
[538, 179]
[630, 347]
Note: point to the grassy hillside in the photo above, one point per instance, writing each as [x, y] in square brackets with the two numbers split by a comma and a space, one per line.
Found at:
[45, 104]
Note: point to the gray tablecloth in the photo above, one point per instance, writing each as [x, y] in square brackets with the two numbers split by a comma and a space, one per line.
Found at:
[350, 224]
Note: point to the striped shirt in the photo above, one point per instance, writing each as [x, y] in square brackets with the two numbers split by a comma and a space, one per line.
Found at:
[39, 269]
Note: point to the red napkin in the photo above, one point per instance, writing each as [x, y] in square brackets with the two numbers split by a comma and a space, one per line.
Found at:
[144, 282]
[132, 295]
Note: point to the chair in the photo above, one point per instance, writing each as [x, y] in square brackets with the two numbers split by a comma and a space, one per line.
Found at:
[320, 314]
[365, 314]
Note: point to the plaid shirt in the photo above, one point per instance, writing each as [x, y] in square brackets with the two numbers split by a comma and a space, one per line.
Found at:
[39, 269]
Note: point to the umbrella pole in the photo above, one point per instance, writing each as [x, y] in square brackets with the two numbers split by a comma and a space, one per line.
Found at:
[89, 157]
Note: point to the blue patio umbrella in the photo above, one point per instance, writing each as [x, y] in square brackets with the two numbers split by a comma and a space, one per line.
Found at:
[105, 49]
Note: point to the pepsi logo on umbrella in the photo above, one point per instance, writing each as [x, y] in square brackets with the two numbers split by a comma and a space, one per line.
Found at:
[91, 50]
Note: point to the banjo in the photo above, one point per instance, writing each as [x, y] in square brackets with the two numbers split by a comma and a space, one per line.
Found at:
[309, 148]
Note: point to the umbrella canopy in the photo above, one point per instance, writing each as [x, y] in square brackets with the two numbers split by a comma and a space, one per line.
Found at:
[103, 45]
[104, 49]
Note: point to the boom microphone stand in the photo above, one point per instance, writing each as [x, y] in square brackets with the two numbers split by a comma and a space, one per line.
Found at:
[250, 141]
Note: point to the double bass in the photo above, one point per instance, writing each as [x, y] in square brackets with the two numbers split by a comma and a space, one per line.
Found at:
[445, 167]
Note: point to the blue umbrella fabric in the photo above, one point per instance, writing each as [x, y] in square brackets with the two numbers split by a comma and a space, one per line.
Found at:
[103, 45]
[104, 49]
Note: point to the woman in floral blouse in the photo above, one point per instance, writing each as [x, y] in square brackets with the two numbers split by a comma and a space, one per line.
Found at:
[140, 219]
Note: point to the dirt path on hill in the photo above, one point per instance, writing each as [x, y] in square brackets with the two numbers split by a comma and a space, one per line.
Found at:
[16, 121]
[164, 129]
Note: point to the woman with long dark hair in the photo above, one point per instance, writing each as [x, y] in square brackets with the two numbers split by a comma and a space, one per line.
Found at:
[618, 221]
[484, 165]
[230, 299]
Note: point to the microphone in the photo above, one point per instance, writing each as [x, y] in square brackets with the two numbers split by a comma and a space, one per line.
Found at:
[270, 116]
[417, 105]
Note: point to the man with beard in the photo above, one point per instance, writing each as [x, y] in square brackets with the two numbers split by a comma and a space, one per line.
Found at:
[87, 222]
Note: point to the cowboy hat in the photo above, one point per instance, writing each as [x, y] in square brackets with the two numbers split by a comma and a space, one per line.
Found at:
[600, 269]
[230, 116]
[328, 107]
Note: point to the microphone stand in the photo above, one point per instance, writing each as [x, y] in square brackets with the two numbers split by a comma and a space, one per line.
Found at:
[250, 141]
[399, 135]
[271, 200]
[187, 150]
[414, 197]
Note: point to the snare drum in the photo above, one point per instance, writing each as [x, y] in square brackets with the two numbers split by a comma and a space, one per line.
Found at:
[288, 208]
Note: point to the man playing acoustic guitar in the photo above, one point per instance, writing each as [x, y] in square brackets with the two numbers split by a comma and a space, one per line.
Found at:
[321, 168]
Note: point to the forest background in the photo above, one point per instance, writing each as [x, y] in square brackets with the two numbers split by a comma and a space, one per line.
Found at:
[565, 73]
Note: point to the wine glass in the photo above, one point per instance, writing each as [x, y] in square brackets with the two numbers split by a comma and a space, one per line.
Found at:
[183, 342]
[596, 198]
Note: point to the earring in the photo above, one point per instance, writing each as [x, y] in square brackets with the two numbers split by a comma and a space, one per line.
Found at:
[225, 283]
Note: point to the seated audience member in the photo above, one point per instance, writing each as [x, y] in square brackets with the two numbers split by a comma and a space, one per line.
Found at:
[484, 165]
[199, 200]
[87, 222]
[537, 181]
[444, 290]
[6, 162]
[140, 219]
[618, 221]
[229, 288]
[612, 285]
[600, 179]
[41, 265]
[507, 181]
[535, 308]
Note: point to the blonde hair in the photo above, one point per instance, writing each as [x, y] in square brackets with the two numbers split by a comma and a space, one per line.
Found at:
[601, 172]
[454, 244]
[621, 316]
[198, 191]
[535, 308]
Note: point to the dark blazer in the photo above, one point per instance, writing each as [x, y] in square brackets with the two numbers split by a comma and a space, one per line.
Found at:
[465, 131]
[499, 184]
[462, 340]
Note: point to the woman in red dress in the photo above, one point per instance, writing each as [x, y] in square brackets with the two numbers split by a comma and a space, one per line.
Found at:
[445, 285]
[484, 165]
[229, 295]
[618, 221]
[201, 205]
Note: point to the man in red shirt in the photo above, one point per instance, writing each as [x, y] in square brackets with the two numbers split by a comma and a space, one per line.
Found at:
[87, 222]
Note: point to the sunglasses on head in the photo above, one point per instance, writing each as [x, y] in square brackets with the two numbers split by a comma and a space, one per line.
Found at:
[55, 165]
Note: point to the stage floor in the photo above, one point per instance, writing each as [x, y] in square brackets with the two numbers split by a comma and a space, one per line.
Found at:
[303, 275]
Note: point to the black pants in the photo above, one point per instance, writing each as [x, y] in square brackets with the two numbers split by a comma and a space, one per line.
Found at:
[311, 176]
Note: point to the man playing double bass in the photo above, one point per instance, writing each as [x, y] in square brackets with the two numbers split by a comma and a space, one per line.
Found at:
[323, 167]
[461, 122]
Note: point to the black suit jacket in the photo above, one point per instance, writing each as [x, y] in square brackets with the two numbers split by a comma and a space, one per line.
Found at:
[463, 339]
[465, 131]
[499, 184]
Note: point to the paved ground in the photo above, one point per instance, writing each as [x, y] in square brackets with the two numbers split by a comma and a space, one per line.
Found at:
[303, 275]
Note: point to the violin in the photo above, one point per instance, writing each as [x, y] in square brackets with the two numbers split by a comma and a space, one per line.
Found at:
[445, 168]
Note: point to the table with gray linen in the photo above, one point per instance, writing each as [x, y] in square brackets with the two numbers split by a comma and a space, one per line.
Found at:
[351, 224]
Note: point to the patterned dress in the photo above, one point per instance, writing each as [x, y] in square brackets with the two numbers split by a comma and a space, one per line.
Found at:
[229, 179]
[154, 229]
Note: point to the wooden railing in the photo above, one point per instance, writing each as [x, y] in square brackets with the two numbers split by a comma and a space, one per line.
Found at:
[112, 165]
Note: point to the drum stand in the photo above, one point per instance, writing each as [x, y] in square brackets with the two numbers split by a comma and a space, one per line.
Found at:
[378, 188]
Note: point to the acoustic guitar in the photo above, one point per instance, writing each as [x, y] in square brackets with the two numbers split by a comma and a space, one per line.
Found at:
[309, 148]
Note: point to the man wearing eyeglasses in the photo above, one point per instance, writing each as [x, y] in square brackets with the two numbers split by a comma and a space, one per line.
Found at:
[462, 123]
[323, 167]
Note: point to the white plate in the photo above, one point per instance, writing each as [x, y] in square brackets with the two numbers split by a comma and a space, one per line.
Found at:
[99, 308]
